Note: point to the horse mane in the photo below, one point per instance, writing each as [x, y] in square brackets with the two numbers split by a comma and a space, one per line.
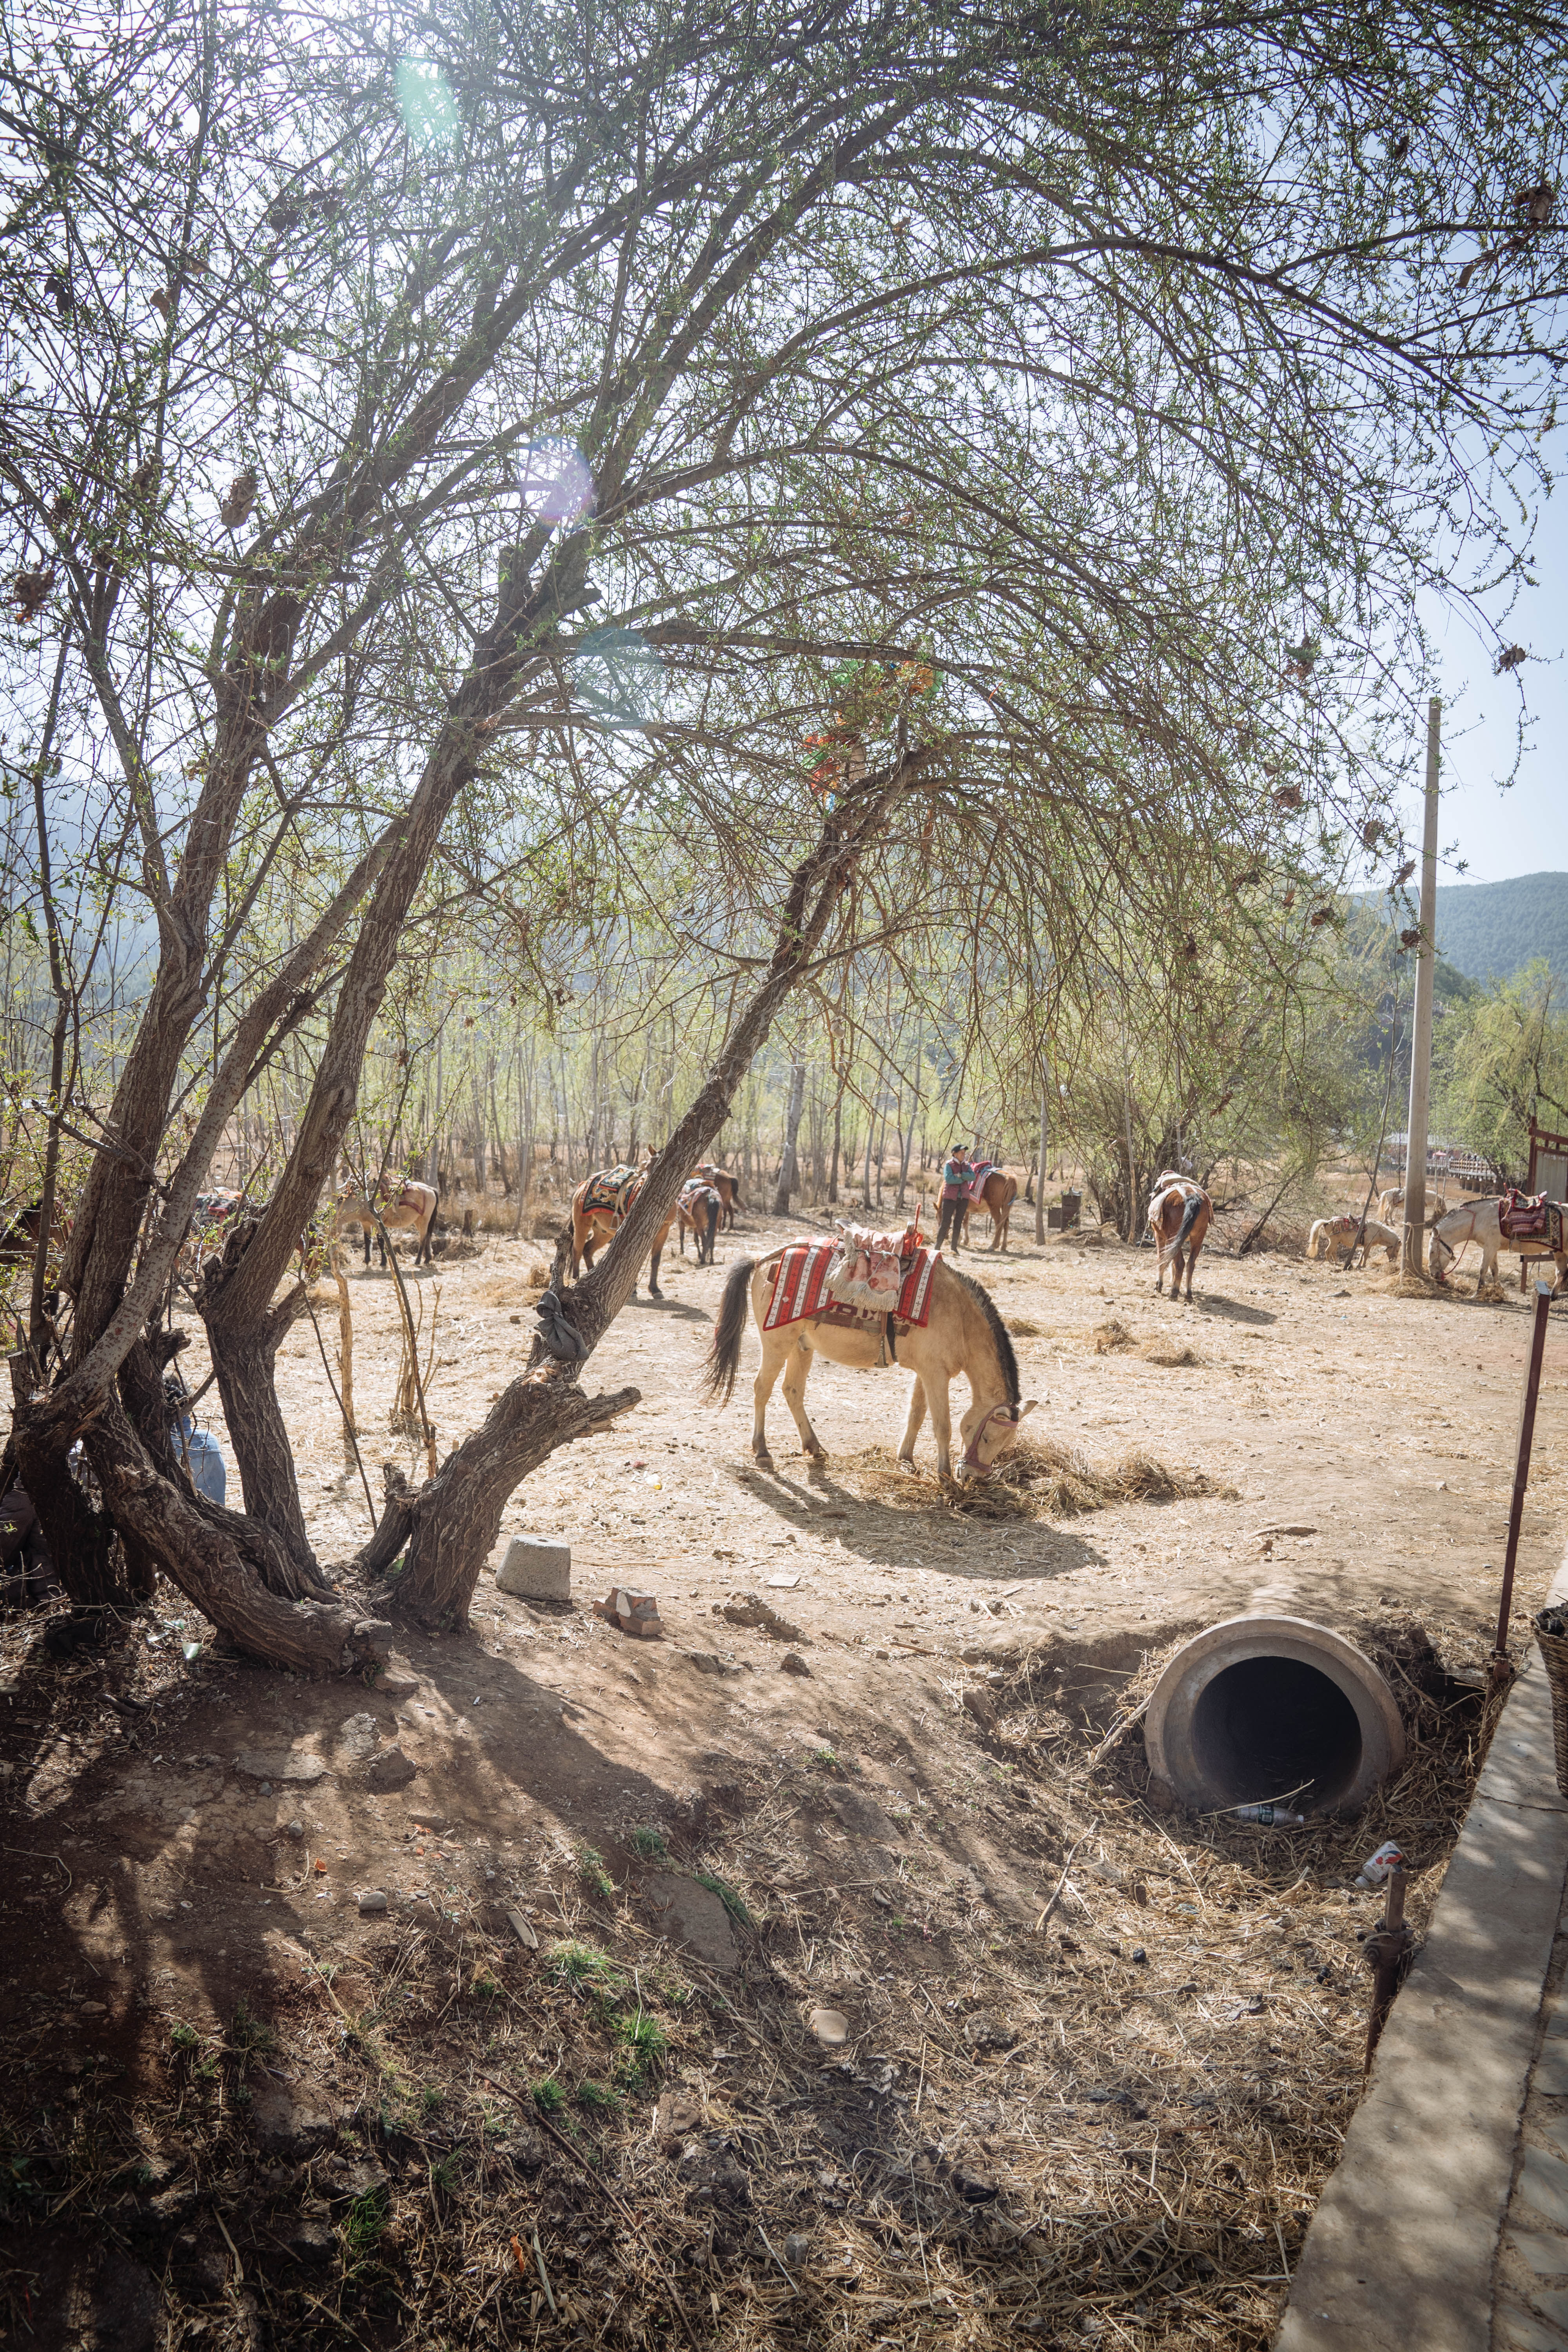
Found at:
[998, 1330]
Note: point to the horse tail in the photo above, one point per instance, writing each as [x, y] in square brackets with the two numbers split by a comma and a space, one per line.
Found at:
[723, 1357]
[1196, 1204]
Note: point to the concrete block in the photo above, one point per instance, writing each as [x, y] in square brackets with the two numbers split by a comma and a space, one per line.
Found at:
[1547, 2256]
[536, 1570]
[1518, 2330]
[1543, 2183]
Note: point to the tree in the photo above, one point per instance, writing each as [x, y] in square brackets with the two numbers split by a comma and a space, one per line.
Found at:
[889, 460]
[1500, 1060]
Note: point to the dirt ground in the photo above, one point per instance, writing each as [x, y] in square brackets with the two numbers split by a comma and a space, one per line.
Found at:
[239, 2107]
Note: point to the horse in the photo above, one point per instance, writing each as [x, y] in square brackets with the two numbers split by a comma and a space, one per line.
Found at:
[20, 1236]
[407, 1207]
[964, 1334]
[1330, 1234]
[1179, 1214]
[996, 1195]
[1481, 1222]
[1390, 1203]
[728, 1188]
[698, 1212]
[598, 1206]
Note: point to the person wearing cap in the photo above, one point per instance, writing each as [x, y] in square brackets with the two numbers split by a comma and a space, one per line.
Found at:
[957, 1174]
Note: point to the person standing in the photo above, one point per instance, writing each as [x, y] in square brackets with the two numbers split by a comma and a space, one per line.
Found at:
[957, 1174]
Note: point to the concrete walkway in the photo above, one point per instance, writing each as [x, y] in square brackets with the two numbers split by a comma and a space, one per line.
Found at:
[1449, 2207]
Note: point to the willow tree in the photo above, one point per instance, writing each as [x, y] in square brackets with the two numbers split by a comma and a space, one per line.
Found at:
[919, 459]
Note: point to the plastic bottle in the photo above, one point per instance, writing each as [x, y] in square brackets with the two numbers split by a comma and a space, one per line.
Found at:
[1270, 1817]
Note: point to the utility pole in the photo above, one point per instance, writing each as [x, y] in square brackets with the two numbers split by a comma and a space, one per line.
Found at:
[1421, 1038]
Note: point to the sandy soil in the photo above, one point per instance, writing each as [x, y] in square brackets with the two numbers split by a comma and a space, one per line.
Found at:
[190, 1848]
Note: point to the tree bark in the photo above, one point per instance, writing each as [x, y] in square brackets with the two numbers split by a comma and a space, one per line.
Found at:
[1045, 1140]
[789, 1168]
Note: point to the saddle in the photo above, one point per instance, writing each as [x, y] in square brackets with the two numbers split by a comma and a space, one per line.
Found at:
[611, 1192]
[1522, 1219]
[867, 1270]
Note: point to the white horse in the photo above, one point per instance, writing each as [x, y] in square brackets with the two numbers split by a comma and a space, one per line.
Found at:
[1480, 1220]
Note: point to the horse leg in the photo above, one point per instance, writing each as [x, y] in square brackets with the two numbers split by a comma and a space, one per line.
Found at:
[1159, 1261]
[796, 1371]
[941, 1427]
[1192, 1268]
[712, 1233]
[653, 1289]
[912, 1426]
[761, 1389]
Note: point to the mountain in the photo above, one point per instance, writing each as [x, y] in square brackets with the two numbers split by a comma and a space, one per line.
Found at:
[1492, 930]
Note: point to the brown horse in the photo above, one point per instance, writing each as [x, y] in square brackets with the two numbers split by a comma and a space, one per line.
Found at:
[964, 1334]
[728, 1188]
[698, 1212]
[1180, 1215]
[996, 1196]
[598, 1206]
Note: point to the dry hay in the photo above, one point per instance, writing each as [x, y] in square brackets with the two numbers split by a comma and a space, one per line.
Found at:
[1022, 1328]
[1173, 1357]
[1039, 1479]
[1114, 1338]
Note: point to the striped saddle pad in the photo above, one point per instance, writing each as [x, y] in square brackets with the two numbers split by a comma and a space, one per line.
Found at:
[611, 1191]
[800, 1288]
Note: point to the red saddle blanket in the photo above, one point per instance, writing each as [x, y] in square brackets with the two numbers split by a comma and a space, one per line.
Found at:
[800, 1288]
[1523, 1219]
[982, 1168]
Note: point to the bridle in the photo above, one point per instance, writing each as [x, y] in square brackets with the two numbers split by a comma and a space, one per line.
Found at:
[971, 1460]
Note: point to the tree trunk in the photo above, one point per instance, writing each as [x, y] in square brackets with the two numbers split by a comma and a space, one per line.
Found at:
[452, 1524]
[1045, 1140]
[837, 1145]
[789, 1172]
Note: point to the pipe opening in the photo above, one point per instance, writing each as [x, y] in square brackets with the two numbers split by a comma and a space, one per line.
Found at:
[1265, 1726]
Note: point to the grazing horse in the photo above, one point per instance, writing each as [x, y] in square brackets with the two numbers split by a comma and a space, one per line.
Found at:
[1481, 1222]
[406, 1207]
[1331, 1236]
[964, 1334]
[598, 1206]
[728, 1188]
[1180, 1215]
[699, 1210]
[1390, 1203]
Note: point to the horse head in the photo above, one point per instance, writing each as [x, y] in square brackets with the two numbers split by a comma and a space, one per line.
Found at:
[993, 1435]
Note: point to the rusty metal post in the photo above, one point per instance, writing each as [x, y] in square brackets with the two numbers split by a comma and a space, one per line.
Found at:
[1501, 1668]
[1388, 1954]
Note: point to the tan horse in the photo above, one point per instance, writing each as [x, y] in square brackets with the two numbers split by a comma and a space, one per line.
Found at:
[998, 1196]
[593, 1226]
[1180, 1215]
[965, 1334]
[404, 1208]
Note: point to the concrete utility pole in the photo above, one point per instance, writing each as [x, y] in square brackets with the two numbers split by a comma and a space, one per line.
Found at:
[1421, 1039]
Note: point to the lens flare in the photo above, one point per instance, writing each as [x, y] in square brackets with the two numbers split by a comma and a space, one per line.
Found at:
[425, 102]
[619, 679]
[555, 482]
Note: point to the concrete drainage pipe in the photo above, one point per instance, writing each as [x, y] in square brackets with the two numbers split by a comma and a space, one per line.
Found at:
[1260, 1706]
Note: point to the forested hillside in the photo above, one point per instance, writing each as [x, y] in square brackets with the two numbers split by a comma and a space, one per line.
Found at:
[1492, 929]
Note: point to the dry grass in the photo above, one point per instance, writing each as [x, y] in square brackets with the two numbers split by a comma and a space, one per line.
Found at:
[1115, 2128]
[1114, 1338]
[1022, 1328]
[1039, 1479]
[1111, 1337]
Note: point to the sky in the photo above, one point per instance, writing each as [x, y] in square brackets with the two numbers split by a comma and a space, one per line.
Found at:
[1525, 829]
